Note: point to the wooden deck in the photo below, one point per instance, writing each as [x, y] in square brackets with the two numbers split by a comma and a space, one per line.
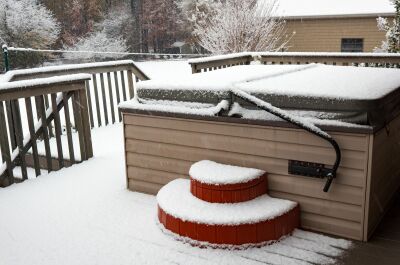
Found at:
[384, 246]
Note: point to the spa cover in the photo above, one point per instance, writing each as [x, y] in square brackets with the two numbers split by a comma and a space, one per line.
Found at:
[374, 91]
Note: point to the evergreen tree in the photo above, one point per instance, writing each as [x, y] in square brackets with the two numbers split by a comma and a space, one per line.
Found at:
[392, 42]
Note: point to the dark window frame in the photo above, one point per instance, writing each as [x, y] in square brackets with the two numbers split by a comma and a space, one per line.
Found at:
[352, 45]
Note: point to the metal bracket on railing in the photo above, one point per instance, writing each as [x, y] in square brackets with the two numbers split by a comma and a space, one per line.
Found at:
[298, 167]
[4, 48]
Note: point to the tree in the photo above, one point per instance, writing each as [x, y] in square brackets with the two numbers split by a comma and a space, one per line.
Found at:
[109, 35]
[26, 23]
[79, 19]
[196, 12]
[242, 25]
[159, 24]
[392, 42]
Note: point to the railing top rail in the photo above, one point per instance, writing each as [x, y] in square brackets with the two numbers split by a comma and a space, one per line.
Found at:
[293, 54]
[28, 88]
[89, 68]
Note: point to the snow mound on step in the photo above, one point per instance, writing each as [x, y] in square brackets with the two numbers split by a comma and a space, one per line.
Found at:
[210, 172]
[176, 200]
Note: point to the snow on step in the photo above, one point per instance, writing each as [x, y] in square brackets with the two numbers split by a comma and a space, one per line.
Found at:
[175, 199]
[210, 172]
[219, 183]
[256, 221]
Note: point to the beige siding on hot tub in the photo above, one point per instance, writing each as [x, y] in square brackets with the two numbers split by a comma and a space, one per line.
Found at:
[160, 149]
[384, 176]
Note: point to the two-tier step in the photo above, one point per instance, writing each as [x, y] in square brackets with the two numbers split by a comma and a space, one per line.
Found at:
[225, 205]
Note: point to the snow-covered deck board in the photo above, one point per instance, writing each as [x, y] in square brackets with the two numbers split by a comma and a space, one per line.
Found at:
[85, 215]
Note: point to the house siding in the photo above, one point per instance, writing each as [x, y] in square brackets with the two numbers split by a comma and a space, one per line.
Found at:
[325, 34]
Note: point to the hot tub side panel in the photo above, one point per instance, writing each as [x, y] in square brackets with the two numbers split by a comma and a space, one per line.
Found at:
[384, 174]
[160, 149]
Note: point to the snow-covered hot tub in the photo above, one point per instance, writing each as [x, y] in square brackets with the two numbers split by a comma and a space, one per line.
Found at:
[177, 122]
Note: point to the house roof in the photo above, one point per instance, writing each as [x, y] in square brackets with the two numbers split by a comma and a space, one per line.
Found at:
[334, 8]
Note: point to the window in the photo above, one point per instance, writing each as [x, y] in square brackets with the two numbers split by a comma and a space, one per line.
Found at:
[352, 45]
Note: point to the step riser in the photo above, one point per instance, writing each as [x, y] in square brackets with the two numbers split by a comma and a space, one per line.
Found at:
[269, 230]
[231, 193]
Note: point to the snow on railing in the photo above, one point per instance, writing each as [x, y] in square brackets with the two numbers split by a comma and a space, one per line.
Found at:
[29, 110]
[78, 96]
[332, 58]
[111, 83]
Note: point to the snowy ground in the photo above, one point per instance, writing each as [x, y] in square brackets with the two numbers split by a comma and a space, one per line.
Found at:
[85, 215]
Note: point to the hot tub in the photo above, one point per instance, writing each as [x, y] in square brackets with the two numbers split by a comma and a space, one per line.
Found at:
[178, 122]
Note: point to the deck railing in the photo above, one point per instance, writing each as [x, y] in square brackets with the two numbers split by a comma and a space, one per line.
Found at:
[111, 83]
[345, 59]
[23, 104]
[71, 98]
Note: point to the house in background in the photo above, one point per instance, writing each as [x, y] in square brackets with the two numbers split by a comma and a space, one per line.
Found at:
[334, 26]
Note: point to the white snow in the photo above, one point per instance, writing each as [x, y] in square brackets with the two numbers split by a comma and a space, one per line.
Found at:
[172, 69]
[327, 81]
[220, 80]
[290, 54]
[176, 107]
[313, 80]
[44, 81]
[307, 8]
[282, 113]
[9, 75]
[315, 117]
[211, 172]
[85, 215]
[176, 199]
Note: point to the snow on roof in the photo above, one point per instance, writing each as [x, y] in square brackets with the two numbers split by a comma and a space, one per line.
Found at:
[178, 44]
[175, 199]
[313, 80]
[319, 8]
[210, 172]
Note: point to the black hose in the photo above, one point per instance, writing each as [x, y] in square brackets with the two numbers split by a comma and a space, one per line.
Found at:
[321, 134]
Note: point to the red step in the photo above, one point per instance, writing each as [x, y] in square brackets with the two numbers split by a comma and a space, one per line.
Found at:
[230, 193]
[256, 221]
[218, 183]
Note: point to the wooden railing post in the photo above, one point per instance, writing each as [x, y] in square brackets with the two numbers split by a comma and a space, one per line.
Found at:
[81, 116]
[19, 135]
[194, 71]
[4, 147]
[130, 84]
